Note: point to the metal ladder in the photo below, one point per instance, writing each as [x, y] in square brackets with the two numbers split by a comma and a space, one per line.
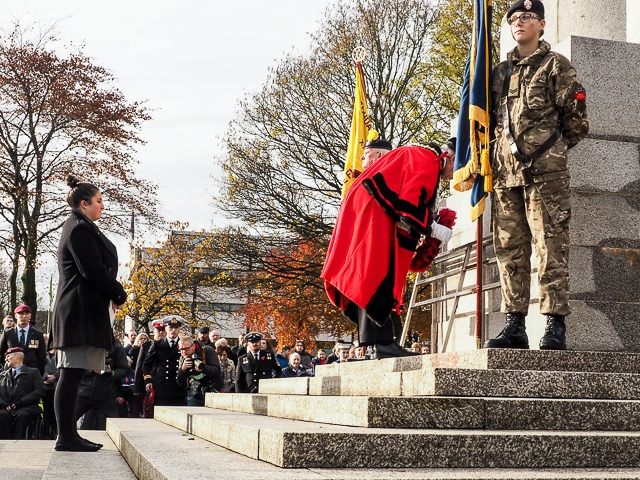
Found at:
[457, 261]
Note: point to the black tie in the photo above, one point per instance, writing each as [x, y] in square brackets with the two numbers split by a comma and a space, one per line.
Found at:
[22, 339]
[257, 356]
[171, 342]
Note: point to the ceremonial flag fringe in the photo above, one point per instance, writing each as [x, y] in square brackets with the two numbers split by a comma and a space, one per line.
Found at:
[473, 165]
[360, 126]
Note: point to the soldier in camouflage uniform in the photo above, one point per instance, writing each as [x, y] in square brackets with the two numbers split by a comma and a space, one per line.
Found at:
[539, 112]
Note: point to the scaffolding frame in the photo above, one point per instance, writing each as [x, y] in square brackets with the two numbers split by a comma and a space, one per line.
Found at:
[455, 262]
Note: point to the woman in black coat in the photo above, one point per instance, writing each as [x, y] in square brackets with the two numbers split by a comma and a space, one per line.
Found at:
[87, 296]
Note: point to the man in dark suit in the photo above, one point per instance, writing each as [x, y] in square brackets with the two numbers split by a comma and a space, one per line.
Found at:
[160, 367]
[255, 365]
[25, 336]
[21, 389]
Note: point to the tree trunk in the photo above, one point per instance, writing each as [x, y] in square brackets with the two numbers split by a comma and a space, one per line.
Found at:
[29, 294]
[13, 284]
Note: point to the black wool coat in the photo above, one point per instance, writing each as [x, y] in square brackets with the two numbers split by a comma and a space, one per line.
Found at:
[160, 368]
[25, 390]
[249, 372]
[88, 265]
[35, 353]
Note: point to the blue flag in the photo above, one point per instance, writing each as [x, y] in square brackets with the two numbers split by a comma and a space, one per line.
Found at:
[473, 165]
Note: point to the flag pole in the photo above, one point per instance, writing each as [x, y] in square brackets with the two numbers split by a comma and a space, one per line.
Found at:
[479, 282]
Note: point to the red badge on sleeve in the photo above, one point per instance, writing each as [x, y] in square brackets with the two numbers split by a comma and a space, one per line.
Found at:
[580, 95]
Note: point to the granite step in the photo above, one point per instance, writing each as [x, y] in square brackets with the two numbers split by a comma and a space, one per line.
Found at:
[296, 444]
[439, 412]
[24, 459]
[465, 383]
[157, 451]
[495, 359]
[105, 464]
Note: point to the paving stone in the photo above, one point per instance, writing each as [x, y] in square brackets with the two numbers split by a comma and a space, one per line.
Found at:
[376, 384]
[24, 459]
[293, 386]
[476, 383]
[105, 464]
[360, 411]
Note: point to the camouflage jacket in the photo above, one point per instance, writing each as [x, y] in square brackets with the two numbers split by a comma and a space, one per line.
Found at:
[544, 95]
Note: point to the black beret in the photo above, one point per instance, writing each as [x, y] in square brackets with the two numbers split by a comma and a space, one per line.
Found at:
[533, 6]
[253, 337]
[379, 143]
[204, 330]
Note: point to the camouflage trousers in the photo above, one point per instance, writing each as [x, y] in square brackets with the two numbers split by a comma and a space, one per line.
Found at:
[537, 214]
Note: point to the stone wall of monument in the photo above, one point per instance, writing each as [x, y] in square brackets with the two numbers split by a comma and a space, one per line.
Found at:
[601, 39]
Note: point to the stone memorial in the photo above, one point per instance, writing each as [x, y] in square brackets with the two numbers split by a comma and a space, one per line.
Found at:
[602, 40]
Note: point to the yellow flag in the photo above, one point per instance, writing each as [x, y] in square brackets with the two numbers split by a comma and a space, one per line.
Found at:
[360, 126]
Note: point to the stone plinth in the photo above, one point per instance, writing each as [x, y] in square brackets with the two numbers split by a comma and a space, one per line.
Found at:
[610, 74]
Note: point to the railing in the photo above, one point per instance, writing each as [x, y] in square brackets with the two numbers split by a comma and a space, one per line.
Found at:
[452, 263]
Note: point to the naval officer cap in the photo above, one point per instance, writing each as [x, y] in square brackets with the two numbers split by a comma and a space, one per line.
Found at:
[253, 337]
[533, 6]
[156, 324]
[173, 321]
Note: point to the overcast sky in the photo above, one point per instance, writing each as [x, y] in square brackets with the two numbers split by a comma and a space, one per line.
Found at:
[191, 61]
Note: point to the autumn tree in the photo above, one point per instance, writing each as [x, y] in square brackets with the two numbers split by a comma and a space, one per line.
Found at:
[61, 114]
[288, 307]
[180, 276]
[449, 49]
[285, 151]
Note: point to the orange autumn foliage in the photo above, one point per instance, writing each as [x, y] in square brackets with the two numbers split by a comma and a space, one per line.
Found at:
[291, 305]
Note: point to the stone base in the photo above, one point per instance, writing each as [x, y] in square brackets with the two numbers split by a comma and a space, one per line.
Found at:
[144, 444]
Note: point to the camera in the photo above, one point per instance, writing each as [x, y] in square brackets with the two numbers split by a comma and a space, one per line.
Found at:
[198, 364]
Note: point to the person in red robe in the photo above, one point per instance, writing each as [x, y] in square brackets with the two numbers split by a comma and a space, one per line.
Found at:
[384, 213]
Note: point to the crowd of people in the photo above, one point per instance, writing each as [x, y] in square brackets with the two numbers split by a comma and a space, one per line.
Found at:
[170, 368]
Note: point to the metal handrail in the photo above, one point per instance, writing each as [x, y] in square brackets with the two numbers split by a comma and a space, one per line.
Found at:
[464, 258]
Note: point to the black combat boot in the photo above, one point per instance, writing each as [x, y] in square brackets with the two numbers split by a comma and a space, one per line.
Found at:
[513, 335]
[555, 334]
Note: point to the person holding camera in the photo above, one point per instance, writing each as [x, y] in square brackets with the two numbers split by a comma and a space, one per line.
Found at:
[198, 371]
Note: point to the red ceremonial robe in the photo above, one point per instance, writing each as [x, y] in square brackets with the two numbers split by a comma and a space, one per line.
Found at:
[380, 221]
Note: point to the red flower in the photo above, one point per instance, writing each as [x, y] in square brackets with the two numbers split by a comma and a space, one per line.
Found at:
[430, 247]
